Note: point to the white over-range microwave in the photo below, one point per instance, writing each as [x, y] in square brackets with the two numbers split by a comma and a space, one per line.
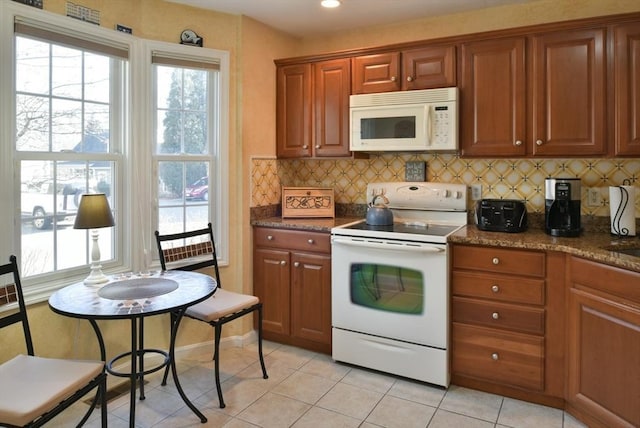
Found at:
[423, 120]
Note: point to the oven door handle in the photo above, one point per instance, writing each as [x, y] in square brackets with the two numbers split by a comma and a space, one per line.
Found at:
[399, 247]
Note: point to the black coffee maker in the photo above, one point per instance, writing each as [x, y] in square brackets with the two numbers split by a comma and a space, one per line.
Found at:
[562, 206]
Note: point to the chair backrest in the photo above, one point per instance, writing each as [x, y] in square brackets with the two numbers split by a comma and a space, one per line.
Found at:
[11, 291]
[177, 249]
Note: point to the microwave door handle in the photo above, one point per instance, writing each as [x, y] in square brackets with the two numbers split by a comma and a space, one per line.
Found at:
[430, 124]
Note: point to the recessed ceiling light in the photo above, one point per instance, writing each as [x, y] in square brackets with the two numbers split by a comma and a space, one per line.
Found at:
[330, 3]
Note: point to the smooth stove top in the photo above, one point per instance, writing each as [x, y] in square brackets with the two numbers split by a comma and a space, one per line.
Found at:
[409, 227]
[405, 231]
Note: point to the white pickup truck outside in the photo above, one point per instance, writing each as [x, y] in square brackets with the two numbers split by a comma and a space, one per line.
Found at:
[39, 206]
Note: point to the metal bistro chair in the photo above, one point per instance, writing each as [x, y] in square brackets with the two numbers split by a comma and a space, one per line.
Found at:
[33, 390]
[224, 306]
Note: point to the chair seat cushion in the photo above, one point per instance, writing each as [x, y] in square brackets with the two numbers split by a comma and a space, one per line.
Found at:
[31, 386]
[222, 303]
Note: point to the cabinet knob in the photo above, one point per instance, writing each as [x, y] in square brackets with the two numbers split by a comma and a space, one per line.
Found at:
[409, 79]
[311, 241]
[296, 264]
[269, 237]
[305, 147]
[518, 142]
[495, 315]
[495, 261]
[393, 78]
[539, 142]
[495, 288]
[317, 146]
[283, 262]
[495, 356]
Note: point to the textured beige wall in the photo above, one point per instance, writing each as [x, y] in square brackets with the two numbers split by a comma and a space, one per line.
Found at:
[510, 16]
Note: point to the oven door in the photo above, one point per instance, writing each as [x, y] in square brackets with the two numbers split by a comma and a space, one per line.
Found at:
[392, 289]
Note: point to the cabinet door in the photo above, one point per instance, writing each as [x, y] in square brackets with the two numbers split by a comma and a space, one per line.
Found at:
[376, 73]
[271, 285]
[604, 359]
[627, 92]
[332, 87]
[311, 297]
[493, 89]
[293, 111]
[432, 67]
[569, 82]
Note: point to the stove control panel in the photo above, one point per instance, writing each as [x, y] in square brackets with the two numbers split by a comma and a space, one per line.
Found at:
[421, 196]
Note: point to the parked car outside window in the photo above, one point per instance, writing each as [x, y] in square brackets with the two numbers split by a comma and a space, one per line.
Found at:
[198, 190]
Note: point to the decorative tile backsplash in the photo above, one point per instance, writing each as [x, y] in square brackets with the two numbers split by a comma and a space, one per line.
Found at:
[500, 178]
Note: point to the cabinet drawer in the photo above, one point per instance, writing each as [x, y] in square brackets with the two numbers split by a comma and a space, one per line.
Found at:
[498, 356]
[292, 239]
[499, 260]
[498, 287]
[499, 315]
[615, 281]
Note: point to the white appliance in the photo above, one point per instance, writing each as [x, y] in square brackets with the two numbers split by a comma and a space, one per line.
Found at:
[423, 120]
[390, 284]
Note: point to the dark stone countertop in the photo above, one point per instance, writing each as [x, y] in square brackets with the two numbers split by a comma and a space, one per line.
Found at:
[594, 245]
[310, 224]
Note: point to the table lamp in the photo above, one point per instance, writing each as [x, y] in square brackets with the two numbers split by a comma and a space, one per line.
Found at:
[94, 213]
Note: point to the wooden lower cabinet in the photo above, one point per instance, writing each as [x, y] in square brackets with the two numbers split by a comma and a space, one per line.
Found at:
[507, 334]
[292, 277]
[603, 388]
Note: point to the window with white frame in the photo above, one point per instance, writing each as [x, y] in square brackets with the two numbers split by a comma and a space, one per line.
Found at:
[69, 98]
[187, 155]
[89, 110]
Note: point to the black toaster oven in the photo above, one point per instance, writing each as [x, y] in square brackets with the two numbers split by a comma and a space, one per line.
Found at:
[501, 215]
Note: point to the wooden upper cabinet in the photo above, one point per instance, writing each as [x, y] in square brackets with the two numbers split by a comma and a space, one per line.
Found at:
[493, 98]
[293, 111]
[332, 87]
[376, 73]
[627, 89]
[422, 68]
[569, 93]
[431, 67]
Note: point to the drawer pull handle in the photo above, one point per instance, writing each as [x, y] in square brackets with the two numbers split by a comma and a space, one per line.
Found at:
[495, 356]
[296, 264]
[283, 262]
[269, 237]
[495, 288]
[495, 315]
[495, 261]
[311, 241]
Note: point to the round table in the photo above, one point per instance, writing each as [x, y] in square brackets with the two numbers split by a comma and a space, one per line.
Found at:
[135, 297]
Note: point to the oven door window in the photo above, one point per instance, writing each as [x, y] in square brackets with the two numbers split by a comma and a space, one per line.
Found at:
[387, 288]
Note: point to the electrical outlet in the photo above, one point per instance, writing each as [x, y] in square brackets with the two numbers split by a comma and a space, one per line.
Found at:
[593, 197]
[476, 192]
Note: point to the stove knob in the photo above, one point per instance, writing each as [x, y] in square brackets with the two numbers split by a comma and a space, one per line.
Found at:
[446, 193]
[458, 195]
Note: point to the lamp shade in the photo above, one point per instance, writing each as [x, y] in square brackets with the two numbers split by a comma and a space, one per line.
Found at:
[94, 212]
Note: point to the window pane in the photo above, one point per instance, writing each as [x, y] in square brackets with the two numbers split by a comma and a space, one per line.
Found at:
[97, 69]
[51, 192]
[183, 195]
[66, 71]
[32, 123]
[32, 66]
[66, 124]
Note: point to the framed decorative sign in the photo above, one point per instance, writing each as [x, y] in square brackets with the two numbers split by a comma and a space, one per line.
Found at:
[415, 171]
[308, 202]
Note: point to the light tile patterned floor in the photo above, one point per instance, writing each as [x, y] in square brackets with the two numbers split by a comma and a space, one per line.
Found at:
[307, 389]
